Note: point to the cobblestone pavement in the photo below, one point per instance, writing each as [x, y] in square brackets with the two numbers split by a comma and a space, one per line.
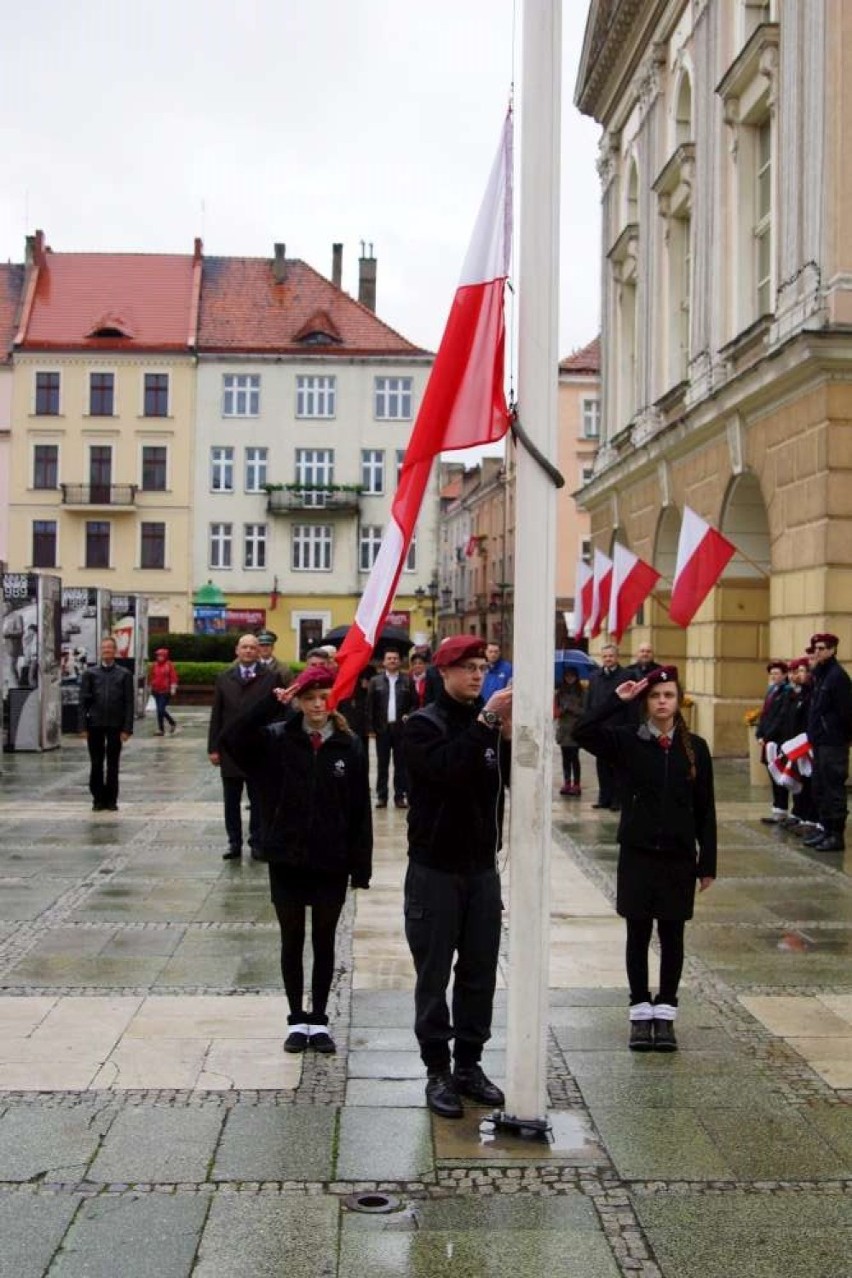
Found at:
[151, 1125]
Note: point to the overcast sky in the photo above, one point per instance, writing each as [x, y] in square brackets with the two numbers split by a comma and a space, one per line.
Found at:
[135, 127]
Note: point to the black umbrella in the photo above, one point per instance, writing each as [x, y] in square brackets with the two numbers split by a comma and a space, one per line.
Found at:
[392, 638]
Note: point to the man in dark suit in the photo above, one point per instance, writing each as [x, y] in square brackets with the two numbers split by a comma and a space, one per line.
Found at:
[390, 700]
[106, 704]
[602, 685]
[238, 690]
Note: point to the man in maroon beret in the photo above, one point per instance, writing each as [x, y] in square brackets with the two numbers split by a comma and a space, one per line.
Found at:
[829, 732]
[457, 752]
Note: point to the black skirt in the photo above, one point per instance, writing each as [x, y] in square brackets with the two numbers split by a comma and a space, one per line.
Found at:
[292, 886]
[653, 886]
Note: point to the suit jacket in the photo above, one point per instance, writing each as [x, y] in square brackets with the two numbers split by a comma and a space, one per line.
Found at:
[280, 668]
[377, 701]
[233, 697]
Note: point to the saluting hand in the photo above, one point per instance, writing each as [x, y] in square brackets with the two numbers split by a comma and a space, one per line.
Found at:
[631, 689]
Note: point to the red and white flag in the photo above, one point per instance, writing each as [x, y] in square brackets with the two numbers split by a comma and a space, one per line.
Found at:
[464, 404]
[632, 582]
[601, 587]
[582, 599]
[702, 556]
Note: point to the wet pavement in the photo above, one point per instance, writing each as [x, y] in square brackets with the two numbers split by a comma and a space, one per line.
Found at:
[150, 1123]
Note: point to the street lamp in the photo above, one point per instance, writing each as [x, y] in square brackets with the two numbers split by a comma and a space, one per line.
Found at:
[431, 593]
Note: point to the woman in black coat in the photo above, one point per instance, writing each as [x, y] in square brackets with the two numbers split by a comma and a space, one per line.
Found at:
[666, 835]
[310, 774]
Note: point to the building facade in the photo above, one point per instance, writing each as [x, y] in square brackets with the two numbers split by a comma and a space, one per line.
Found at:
[579, 408]
[726, 308]
[11, 286]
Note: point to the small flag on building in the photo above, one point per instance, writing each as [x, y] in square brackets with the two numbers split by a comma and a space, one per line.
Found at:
[632, 582]
[601, 587]
[702, 556]
[582, 599]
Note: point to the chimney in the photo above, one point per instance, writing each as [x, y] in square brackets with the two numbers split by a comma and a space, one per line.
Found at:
[367, 278]
[35, 249]
[279, 264]
[198, 248]
[337, 265]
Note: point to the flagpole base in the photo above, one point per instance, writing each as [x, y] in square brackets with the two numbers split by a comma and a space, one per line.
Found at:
[530, 1129]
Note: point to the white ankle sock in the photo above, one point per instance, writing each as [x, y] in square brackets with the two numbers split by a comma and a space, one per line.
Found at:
[664, 1012]
[641, 1012]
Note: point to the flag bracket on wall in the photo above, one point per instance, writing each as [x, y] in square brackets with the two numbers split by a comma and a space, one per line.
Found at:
[521, 437]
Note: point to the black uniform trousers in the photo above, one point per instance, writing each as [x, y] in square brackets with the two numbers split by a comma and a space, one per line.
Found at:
[104, 744]
[831, 769]
[446, 915]
[389, 744]
[233, 792]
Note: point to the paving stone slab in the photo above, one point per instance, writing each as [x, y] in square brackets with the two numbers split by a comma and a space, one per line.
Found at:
[270, 1235]
[645, 1145]
[384, 1144]
[31, 1229]
[777, 1145]
[283, 1142]
[381, 1253]
[49, 1144]
[158, 1144]
[134, 1236]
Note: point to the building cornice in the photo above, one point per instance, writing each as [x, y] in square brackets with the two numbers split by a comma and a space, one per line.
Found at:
[617, 35]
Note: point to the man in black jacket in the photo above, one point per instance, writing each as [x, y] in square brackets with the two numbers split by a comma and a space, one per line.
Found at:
[829, 732]
[236, 691]
[106, 705]
[457, 752]
[602, 684]
[389, 702]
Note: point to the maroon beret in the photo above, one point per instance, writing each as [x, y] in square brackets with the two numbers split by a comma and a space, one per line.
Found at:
[831, 641]
[661, 674]
[313, 677]
[458, 648]
[799, 663]
[777, 665]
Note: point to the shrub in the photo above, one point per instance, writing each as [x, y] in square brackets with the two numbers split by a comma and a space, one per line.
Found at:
[191, 647]
[203, 672]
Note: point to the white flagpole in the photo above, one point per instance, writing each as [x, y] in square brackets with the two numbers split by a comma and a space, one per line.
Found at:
[535, 539]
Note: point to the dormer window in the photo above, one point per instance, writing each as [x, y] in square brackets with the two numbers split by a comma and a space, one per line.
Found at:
[319, 330]
[110, 325]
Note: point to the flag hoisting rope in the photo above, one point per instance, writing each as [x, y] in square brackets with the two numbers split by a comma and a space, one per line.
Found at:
[464, 405]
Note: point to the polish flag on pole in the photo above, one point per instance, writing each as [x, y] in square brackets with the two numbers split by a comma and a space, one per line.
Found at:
[601, 588]
[702, 555]
[632, 582]
[464, 404]
[582, 599]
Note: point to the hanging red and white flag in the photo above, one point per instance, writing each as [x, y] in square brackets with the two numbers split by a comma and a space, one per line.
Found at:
[702, 556]
[632, 582]
[582, 599]
[601, 587]
[464, 404]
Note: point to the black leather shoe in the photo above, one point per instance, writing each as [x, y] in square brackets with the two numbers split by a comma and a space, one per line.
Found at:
[664, 1036]
[473, 1083]
[401, 802]
[813, 839]
[830, 843]
[600, 805]
[641, 1037]
[233, 854]
[381, 803]
[442, 1097]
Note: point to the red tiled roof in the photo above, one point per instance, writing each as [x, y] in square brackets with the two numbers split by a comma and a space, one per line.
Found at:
[452, 489]
[148, 296]
[587, 360]
[11, 286]
[244, 308]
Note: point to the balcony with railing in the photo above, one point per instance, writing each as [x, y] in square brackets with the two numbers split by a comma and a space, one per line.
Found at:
[99, 496]
[303, 499]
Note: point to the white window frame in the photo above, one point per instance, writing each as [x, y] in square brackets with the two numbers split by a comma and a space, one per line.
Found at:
[316, 395]
[220, 546]
[762, 229]
[369, 542]
[590, 417]
[315, 470]
[392, 398]
[221, 468]
[373, 471]
[312, 545]
[255, 542]
[255, 466]
[240, 394]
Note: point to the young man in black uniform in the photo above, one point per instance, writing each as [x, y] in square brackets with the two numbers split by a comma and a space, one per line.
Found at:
[457, 755]
[829, 732]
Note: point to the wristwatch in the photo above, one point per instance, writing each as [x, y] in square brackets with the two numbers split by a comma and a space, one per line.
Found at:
[490, 719]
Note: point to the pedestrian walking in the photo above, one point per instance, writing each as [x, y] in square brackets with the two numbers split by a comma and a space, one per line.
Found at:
[389, 702]
[568, 703]
[163, 682]
[236, 691]
[310, 774]
[457, 754]
[830, 734]
[666, 837]
[107, 707]
[773, 726]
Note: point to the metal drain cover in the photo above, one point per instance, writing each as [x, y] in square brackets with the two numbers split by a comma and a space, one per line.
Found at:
[373, 1203]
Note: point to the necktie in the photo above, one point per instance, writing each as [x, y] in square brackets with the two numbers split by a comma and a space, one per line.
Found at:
[664, 742]
[316, 739]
